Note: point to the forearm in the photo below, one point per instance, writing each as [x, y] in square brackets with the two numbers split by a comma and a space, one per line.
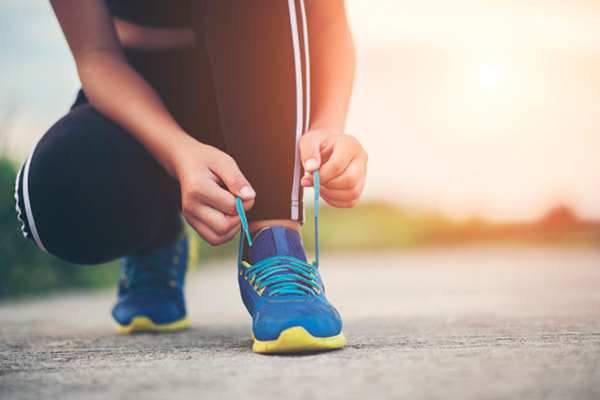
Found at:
[112, 86]
[121, 94]
[332, 63]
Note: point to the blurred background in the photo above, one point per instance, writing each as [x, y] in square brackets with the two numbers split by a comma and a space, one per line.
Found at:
[481, 119]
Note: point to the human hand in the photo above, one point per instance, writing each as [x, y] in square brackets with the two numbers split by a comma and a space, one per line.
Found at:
[342, 165]
[207, 206]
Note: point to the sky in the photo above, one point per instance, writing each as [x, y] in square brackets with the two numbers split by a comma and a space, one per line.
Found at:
[472, 108]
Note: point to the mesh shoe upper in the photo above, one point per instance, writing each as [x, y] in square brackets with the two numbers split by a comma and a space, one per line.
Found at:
[151, 285]
[281, 290]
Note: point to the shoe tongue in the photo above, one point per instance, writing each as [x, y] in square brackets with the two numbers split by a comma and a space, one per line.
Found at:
[276, 241]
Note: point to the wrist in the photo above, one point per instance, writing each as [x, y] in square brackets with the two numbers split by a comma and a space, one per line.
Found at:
[326, 123]
[175, 153]
[324, 128]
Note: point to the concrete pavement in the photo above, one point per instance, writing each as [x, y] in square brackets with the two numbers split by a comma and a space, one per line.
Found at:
[488, 323]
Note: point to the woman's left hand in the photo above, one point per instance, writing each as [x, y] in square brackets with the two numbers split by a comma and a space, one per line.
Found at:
[342, 165]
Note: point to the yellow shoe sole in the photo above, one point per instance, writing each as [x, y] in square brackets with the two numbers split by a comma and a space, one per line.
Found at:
[145, 324]
[298, 340]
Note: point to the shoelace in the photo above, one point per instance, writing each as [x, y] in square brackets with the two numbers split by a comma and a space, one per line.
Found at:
[282, 275]
[152, 273]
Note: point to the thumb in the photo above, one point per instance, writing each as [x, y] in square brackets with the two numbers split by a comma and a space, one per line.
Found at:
[235, 181]
[310, 151]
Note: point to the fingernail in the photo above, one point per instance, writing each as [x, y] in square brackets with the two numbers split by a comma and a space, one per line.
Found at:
[311, 164]
[247, 191]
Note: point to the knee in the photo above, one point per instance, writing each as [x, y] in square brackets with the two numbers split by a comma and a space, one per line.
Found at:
[45, 197]
[78, 200]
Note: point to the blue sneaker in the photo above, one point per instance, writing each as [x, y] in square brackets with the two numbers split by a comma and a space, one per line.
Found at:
[151, 290]
[285, 294]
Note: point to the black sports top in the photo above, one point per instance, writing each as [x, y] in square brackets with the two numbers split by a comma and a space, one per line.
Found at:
[154, 13]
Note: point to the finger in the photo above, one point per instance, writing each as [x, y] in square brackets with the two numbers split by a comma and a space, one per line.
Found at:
[211, 237]
[212, 233]
[354, 173]
[341, 195]
[218, 222]
[307, 180]
[337, 195]
[342, 204]
[218, 198]
[342, 155]
[227, 170]
[215, 220]
[225, 202]
[310, 151]
[248, 204]
[222, 200]
[344, 194]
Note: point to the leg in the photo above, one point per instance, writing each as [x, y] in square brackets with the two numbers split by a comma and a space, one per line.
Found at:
[90, 193]
[258, 60]
[258, 55]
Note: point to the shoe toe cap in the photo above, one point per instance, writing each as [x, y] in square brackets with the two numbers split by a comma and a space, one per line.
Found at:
[319, 319]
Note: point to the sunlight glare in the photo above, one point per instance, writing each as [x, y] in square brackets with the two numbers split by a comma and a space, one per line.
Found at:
[490, 75]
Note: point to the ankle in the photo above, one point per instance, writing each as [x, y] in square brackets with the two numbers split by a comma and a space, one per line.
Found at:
[256, 226]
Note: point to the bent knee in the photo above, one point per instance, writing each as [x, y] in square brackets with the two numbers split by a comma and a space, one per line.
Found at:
[81, 201]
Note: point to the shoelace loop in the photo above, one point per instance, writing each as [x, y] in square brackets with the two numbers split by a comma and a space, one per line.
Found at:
[283, 275]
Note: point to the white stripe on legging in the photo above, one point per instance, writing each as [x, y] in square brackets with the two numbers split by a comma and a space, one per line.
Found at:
[307, 63]
[17, 207]
[299, 107]
[28, 212]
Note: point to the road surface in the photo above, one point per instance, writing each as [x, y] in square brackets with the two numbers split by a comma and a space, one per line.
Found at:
[478, 323]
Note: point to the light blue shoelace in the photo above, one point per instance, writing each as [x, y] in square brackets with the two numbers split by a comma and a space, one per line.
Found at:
[283, 275]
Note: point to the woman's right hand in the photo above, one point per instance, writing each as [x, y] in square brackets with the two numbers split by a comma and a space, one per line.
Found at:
[207, 206]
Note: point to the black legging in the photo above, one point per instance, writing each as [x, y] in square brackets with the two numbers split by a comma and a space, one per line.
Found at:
[89, 192]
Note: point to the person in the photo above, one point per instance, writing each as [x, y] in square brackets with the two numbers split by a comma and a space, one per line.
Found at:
[185, 106]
